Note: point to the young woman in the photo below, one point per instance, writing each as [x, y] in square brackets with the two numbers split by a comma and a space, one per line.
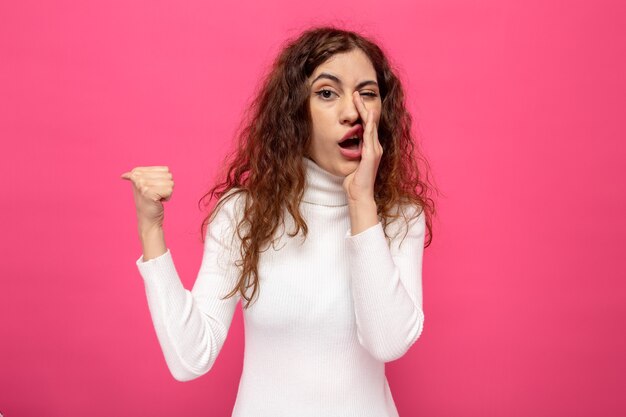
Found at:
[319, 226]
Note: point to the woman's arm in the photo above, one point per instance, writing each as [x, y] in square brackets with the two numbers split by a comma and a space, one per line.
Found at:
[151, 186]
[386, 286]
[152, 241]
[192, 326]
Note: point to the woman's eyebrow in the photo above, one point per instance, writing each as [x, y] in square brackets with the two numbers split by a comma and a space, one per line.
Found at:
[338, 81]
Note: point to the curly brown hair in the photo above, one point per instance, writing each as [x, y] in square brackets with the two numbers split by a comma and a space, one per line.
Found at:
[274, 135]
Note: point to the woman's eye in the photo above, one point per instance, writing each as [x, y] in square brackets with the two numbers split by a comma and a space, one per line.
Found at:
[325, 94]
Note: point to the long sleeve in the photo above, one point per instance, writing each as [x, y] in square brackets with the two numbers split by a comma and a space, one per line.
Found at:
[192, 326]
[386, 285]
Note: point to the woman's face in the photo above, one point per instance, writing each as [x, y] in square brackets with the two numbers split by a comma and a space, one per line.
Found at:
[333, 110]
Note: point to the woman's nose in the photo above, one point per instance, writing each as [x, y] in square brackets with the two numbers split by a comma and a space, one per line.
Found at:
[349, 112]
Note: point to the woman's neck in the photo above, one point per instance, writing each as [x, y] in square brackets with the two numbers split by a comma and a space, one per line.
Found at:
[321, 187]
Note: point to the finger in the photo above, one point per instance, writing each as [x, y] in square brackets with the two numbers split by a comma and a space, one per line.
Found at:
[147, 173]
[370, 128]
[156, 175]
[369, 134]
[153, 168]
[163, 193]
[374, 128]
[360, 106]
[377, 147]
[142, 170]
[157, 183]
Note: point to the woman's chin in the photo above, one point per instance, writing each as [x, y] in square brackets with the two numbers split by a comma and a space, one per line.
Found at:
[347, 167]
[341, 167]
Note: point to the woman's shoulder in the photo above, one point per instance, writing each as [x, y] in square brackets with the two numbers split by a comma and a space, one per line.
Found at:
[407, 217]
[410, 211]
[231, 205]
[233, 196]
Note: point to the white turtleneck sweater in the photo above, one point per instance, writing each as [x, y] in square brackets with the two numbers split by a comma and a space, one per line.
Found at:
[331, 309]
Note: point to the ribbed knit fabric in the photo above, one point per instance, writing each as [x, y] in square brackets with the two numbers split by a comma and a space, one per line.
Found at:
[331, 309]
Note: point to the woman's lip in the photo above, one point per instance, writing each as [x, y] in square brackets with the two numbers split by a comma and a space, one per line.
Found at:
[356, 130]
[351, 153]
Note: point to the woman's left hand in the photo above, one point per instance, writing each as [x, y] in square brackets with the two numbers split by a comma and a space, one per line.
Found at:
[359, 185]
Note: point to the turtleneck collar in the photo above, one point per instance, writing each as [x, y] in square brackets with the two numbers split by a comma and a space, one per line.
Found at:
[322, 188]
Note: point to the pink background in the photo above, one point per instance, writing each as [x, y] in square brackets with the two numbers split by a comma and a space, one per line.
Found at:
[519, 106]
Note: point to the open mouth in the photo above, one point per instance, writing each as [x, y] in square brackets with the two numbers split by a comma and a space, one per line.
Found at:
[352, 143]
[350, 146]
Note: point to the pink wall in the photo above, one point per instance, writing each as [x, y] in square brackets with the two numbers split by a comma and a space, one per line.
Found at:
[520, 106]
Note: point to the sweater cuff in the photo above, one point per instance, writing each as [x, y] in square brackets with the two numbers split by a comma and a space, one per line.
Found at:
[358, 235]
[161, 265]
[361, 238]
[368, 252]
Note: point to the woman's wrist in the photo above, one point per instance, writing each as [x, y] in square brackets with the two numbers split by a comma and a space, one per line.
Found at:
[363, 215]
[152, 241]
[147, 229]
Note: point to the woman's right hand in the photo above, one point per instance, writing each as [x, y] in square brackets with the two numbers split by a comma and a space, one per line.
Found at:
[151, 186]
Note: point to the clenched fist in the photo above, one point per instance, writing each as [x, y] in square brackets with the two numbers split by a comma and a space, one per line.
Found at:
[151, 185]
